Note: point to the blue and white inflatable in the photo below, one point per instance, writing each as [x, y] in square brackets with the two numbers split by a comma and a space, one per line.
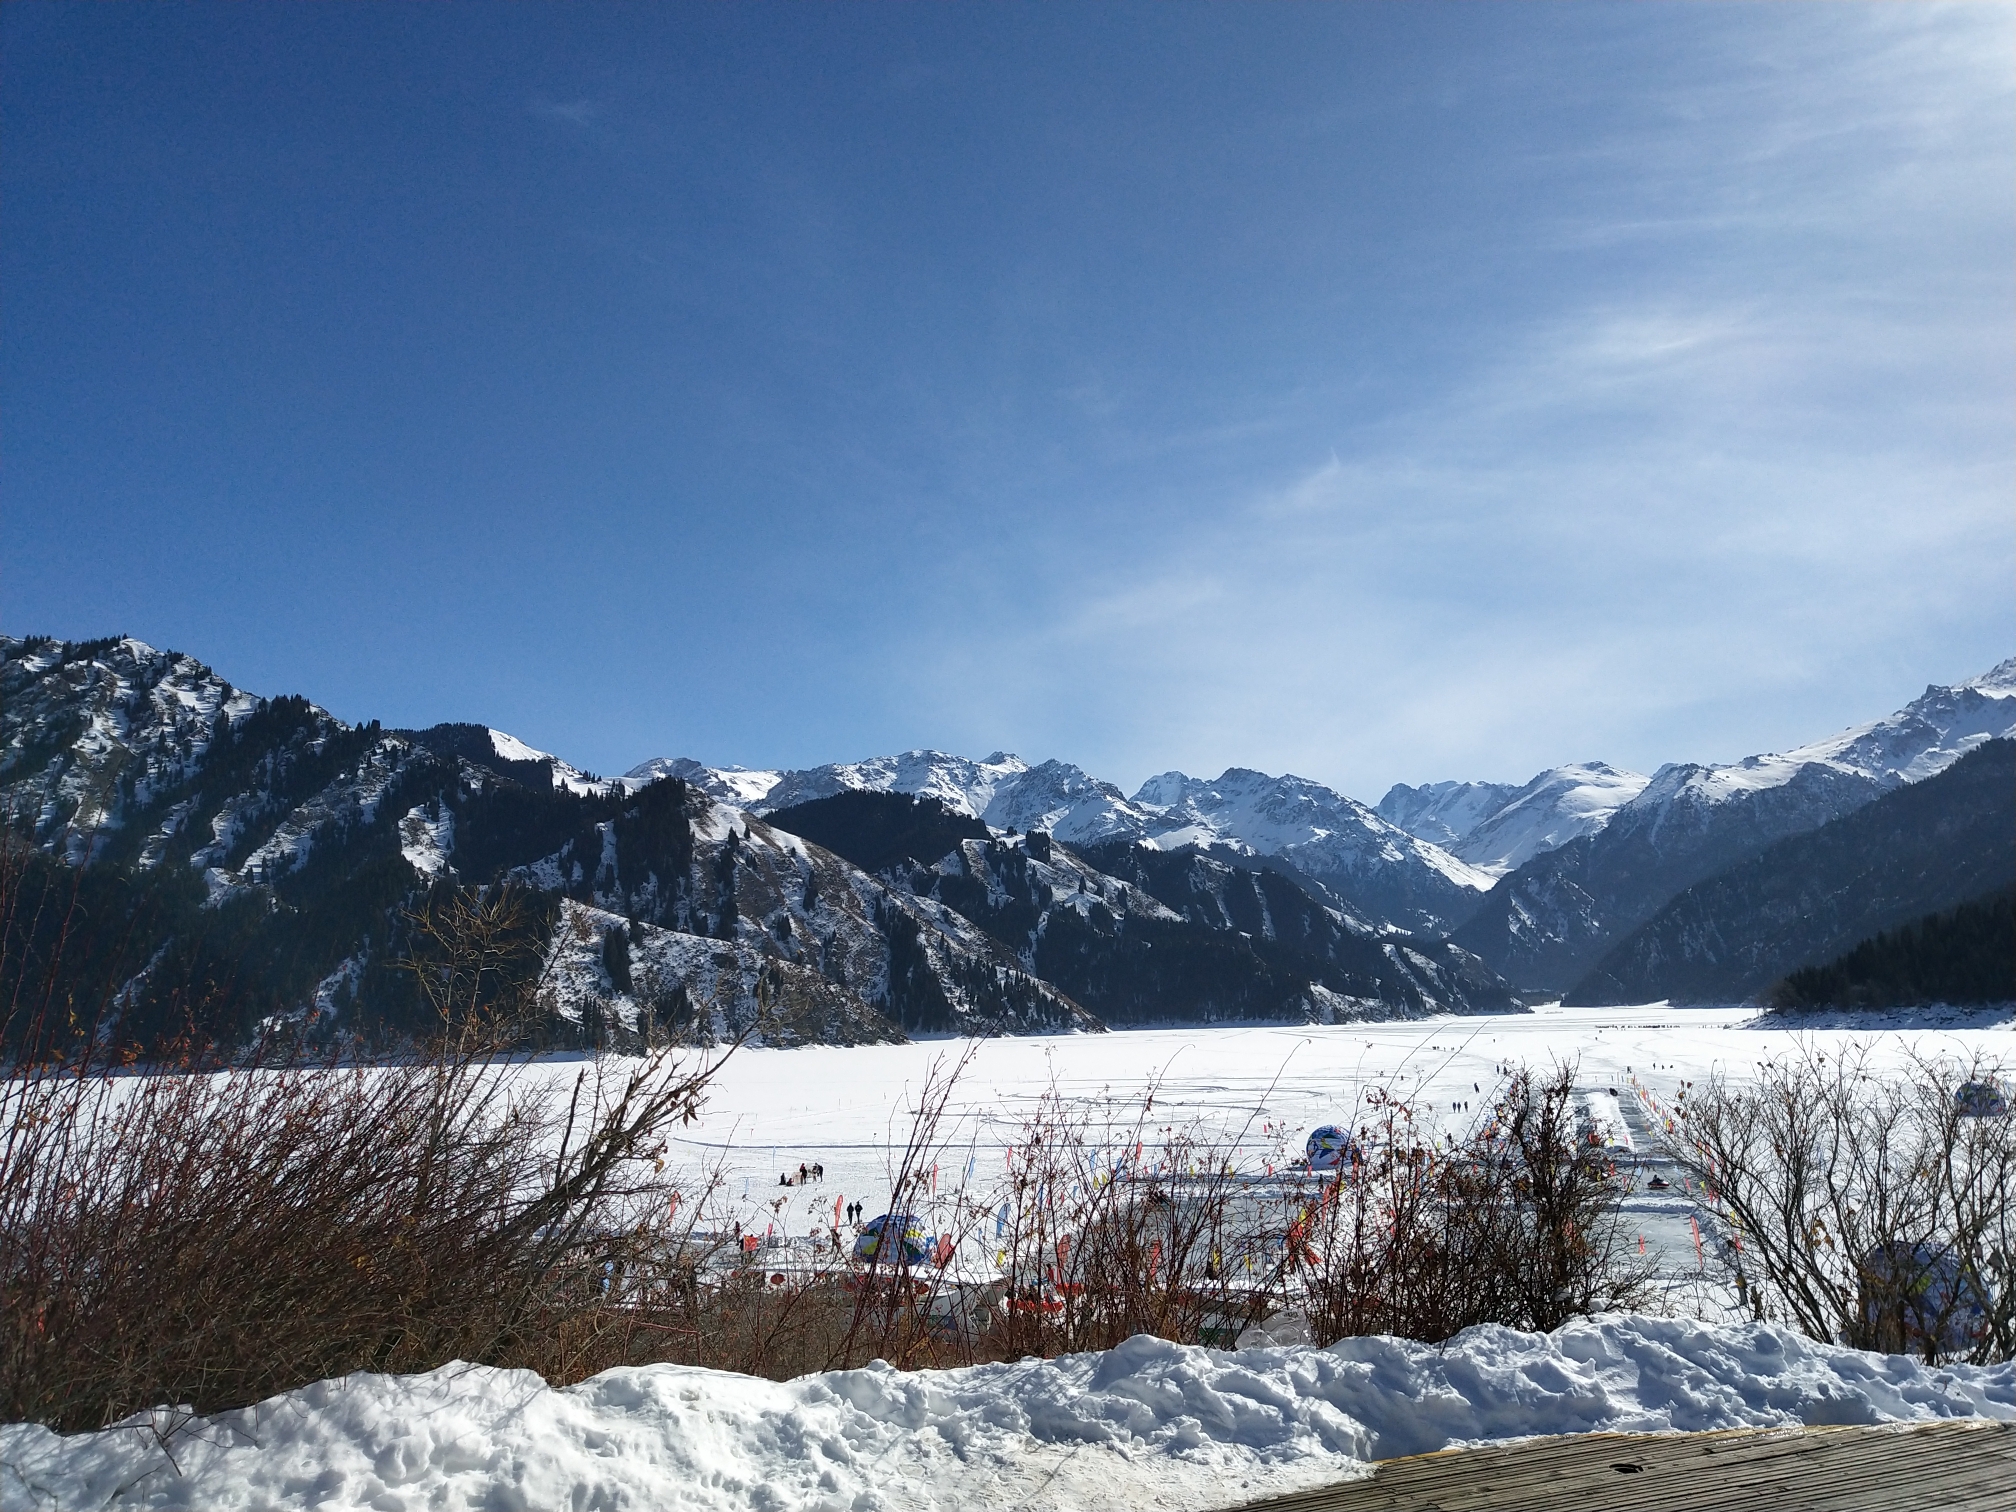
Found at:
[1981, 1099]
[1330, 1148]
[893, 1239]
[1920, 1293]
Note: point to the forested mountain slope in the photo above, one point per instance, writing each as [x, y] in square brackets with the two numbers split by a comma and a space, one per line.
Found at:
[1965, 955]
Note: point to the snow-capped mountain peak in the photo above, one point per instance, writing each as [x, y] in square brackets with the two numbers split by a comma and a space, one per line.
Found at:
[1559, 805]
[1165, 791]
[1999, 681]
[1323, 833]
[1442, 813]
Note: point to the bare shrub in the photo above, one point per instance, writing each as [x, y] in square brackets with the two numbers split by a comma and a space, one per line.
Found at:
[211, 1238]
[1107, 1224]
[1517, 1221]
[209, 1234]
[1862, 1205]
[475, 955]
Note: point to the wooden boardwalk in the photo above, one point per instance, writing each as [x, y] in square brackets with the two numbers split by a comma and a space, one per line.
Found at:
[1962, 1465]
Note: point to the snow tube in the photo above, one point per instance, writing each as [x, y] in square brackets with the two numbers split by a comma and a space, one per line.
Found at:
[893, 1239]
[1912, 1294]
[1982, 1099]
[1330, 1147]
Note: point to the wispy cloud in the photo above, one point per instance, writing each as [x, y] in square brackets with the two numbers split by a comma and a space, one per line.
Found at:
[571, 112]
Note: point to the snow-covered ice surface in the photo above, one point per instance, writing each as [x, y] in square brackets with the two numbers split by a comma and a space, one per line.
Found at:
[849, 1109]
[1149, 1424]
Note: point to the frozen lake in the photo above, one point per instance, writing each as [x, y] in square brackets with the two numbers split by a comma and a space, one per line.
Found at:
[1264, 1086]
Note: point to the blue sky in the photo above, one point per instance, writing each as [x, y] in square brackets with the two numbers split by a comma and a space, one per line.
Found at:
[1373, 392]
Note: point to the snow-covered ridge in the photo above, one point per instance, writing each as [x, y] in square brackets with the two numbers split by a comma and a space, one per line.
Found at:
[1323, 833]
[1830, 776]
[1920, 740]
[1149, 1423]
[1555, 807]
[1442, 813]
[565, 776]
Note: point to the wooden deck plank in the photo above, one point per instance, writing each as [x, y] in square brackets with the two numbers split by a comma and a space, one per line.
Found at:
[1963, 1465]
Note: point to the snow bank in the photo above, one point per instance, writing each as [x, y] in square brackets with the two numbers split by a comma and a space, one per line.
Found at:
[1150, 1424]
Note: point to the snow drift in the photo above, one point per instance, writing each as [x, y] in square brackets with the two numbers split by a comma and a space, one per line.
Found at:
[1148, 1424]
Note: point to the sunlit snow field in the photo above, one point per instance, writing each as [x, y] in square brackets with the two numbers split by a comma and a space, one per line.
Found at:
[851, 1109]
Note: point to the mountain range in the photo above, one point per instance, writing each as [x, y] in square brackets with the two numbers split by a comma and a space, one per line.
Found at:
[203, 862]
[261, 858]
[1368, 864]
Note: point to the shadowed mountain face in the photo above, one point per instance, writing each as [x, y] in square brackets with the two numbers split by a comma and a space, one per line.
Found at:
[1916, 850]
[1548, 923]
[234, 860]
[880, 832]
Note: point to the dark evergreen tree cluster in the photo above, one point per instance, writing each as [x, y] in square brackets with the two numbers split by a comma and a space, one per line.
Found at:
[473, 743]
[1966, 955]
[616, 957]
